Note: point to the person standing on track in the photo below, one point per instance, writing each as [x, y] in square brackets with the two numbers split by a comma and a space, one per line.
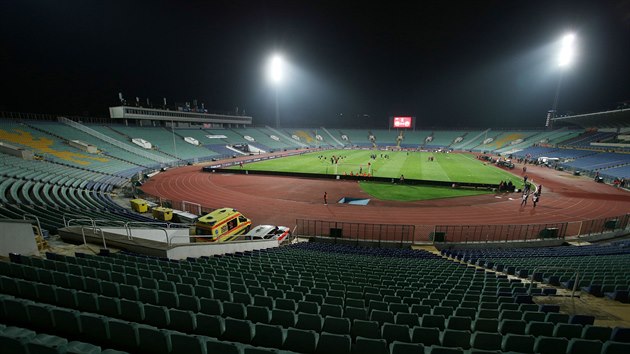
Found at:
[325, 198]
[525, 197]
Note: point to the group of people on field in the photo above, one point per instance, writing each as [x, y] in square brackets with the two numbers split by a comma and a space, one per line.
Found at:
[527, 192]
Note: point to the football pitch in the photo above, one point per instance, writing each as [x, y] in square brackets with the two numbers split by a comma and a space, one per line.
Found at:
[446, 167]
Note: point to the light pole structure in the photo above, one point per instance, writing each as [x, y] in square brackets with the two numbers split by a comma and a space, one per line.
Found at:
[275, 73]
[565, 58]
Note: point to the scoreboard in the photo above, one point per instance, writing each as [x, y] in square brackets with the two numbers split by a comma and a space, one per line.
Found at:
[402, 122]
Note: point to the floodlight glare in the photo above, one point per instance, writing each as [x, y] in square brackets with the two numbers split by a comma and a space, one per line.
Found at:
[275, 69]
[567, 50]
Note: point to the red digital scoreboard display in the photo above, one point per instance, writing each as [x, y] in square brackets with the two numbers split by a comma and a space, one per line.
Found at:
[402, 122]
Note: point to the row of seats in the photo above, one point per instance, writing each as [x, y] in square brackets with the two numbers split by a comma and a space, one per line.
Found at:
[281, 311]
[17, 340]
[227, 289]
[100, 330]
[247, 314]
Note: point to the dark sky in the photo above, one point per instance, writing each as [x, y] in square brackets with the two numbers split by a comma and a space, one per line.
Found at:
[449, 63]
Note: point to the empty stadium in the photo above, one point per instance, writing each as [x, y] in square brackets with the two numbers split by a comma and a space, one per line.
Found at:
[404, 235]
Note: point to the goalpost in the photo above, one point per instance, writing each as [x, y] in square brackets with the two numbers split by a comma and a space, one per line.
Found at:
[190, 207]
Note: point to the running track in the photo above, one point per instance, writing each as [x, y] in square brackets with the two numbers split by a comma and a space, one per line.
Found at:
[282, 200]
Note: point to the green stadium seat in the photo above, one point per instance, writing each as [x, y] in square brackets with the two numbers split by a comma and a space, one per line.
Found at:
[555, 318]
[529, 316]
[234, 310]
[366, 329]
[550, 345]
[427, 336]
[77, 347]
[382, 316]
[211, 306]
[110, 289]
[394, 332]
[40, 316]
[242, 298]
[148, 296]
[486, 341]
[536, 329]
[455, 338]
[47, 344]
[355, 313]
[189, 344]
[459, 322]
[67, 321]
[109, 306]
[308, 307]
[330, 310]
[301, 341]
[283, 318]
[518, 343]
[203, 291]
[15, 339]
[355, 302]
[466, 312]
[210, 325]
[95, 328]
[154, 340]
[46, 293]
[330, 343]
[512, 326]
[258, 314]
[436, 321]
[406, 348]
[182, 320]
[189, 302]
[125, 334]
[169, 299]
[596, 332]
[218, 346]
[370, 346]
[26, 289]
[583, 346]
[568, 331]
[285, 304]
[157, 316]
[266, 335]
[336, 325]
[408, 319]
[438, 349]
[309, 321]
[611, 347]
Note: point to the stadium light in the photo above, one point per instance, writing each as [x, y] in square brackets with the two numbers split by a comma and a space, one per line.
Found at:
[565, 58]
[567, 50]
[275, 69]
[275, 74]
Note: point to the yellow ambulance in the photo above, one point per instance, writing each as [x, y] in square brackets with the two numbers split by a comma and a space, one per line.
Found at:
[222, 225]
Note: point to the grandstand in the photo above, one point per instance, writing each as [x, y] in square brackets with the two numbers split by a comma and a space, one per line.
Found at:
[332, 296]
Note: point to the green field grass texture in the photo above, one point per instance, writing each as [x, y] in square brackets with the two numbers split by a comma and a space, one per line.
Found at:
[408, 193]
[451, 167]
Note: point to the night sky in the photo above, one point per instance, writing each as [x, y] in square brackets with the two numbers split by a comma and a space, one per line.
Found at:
[352, 64]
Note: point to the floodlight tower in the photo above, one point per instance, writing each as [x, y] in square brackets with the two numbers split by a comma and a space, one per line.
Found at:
[275, 73]
[565, 58]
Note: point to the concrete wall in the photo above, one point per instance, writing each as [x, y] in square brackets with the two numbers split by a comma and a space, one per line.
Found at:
[175, 236]
[16, 236]
[211, 248]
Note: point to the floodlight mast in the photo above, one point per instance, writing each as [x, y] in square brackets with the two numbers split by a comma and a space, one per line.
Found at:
[566, 56]
[275, 76]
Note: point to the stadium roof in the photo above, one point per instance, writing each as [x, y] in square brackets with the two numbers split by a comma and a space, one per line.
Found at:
[618, 118]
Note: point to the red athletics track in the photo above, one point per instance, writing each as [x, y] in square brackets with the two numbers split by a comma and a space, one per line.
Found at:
[282, 200]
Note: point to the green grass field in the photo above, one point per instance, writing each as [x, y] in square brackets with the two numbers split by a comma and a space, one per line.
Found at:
[413, 165]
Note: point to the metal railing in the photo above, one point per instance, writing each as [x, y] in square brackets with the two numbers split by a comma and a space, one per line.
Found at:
[356, 231]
